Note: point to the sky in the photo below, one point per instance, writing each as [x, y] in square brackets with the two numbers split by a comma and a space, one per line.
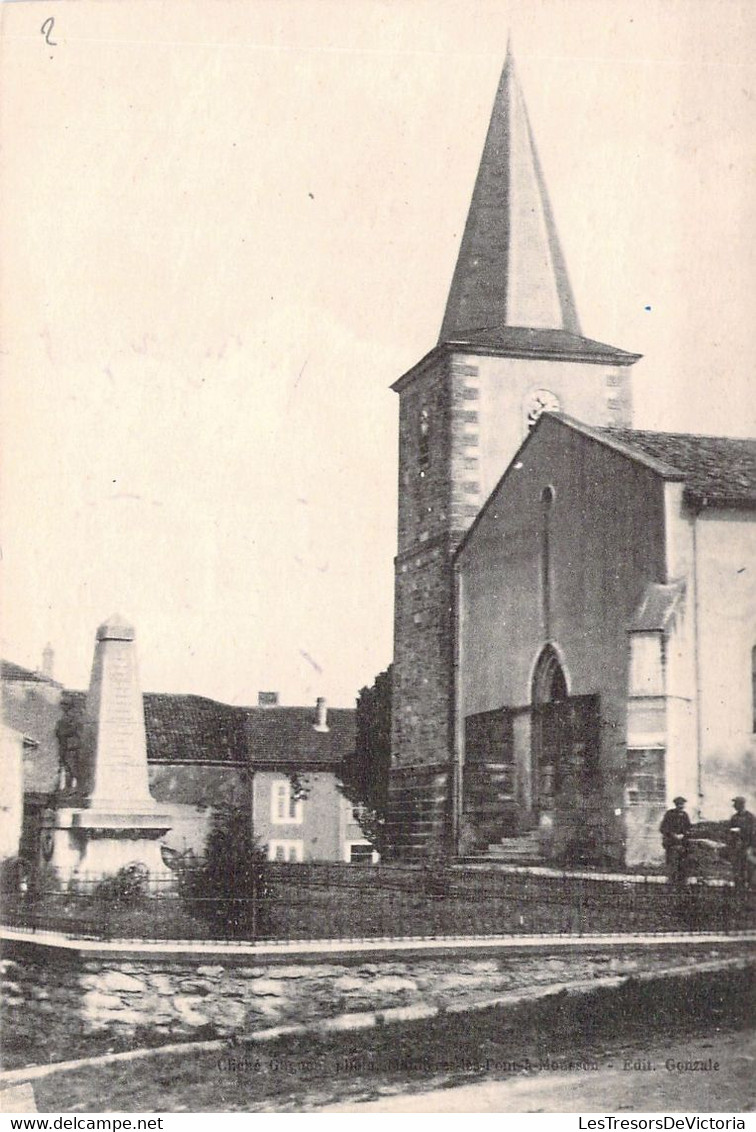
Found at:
[227, 228]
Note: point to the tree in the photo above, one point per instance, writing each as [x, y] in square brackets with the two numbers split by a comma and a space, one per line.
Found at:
[228, 889]
[365, 773]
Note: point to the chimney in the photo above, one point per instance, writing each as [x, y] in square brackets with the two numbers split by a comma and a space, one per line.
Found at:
[48, 661]
[267, 699]
[321, 715]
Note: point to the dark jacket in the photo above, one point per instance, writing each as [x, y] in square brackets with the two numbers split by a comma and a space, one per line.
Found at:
[674, 822]
[741, 830]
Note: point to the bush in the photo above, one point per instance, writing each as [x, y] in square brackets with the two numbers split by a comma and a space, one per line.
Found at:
[126, 888]
[12, 871]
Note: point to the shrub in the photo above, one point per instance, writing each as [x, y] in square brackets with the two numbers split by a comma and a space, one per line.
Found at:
[12, 871]
[126, 888]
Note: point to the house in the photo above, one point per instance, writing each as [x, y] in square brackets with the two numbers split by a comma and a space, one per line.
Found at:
[298, 811]
[281, 763]
[31, 703]
[573, 604]
[11, 792]
[198, 764]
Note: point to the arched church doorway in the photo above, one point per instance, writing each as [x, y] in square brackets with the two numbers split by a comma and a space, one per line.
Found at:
[565, 742]
[550, 733]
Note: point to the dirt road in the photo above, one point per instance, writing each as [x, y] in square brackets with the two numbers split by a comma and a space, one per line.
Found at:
[635, 1080]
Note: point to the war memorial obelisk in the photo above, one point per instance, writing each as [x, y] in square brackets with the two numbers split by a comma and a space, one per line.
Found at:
[111, 819]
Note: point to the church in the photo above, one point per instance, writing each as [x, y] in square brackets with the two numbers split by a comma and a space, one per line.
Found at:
[575, 606]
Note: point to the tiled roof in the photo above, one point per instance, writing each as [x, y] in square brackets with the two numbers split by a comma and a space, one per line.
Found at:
[196, 729]
[193, 728]
[14, 673]
[718, 471]
[287, 735]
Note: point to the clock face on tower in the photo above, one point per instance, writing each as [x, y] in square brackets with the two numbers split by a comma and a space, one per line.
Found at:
[540, 401]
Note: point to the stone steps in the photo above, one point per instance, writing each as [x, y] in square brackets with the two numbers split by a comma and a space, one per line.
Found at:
[516, 850]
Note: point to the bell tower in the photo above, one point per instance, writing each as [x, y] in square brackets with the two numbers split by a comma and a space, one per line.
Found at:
[510, 348]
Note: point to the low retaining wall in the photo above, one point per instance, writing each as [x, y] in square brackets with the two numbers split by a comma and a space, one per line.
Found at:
[61, 1001]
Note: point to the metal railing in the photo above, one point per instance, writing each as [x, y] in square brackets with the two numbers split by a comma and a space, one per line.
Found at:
[320, 901]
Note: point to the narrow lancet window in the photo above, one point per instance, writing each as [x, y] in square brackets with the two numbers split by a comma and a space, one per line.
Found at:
[547, 500]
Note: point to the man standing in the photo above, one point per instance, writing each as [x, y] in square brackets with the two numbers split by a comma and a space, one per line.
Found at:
[741, 839]
[675, 831]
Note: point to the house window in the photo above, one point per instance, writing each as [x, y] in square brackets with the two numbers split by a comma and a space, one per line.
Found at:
[646, 672]
[645, 776]
[285, 850]
[285, 808]
[360, 853]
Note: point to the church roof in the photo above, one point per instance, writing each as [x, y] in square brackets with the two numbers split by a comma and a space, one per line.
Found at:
[542, 342]
[510, 270]
[539, 343]
[718, 471]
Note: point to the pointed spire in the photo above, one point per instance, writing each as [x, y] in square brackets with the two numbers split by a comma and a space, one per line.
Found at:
[510, 270]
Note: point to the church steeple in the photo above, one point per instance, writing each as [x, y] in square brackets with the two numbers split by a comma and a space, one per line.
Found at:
[510, 349]
[510, 270]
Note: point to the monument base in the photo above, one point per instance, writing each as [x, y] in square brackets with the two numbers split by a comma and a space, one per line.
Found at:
[94, 843]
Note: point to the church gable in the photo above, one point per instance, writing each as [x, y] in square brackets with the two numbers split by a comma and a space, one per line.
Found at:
[563, 550]
[714, 471]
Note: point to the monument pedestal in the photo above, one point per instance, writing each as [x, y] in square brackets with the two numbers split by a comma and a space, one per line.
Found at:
[95, 843]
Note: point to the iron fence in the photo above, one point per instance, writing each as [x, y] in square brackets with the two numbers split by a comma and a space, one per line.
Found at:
[291, 902]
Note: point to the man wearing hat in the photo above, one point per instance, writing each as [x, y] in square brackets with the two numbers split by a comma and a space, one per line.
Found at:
[741, 840]
[675, 831]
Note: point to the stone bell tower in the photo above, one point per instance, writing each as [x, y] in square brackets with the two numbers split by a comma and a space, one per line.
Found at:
[510, 348]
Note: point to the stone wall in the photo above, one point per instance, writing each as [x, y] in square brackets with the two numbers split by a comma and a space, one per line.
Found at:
[61, 1002]
[418, 824]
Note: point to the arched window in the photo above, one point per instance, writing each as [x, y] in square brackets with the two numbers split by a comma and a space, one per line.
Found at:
[549, 683]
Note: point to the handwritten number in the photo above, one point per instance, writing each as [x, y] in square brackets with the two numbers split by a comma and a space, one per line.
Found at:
[46, 31]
